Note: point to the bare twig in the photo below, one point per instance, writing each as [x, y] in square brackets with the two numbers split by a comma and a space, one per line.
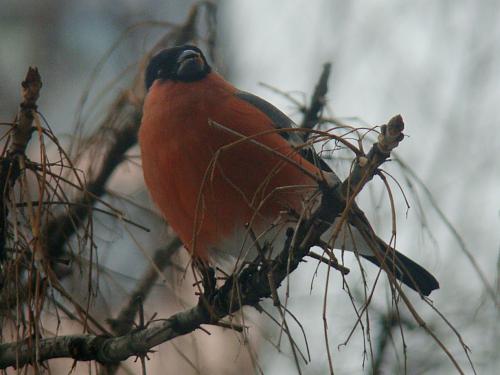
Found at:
[124, 322]
[365, 167]
[388, 322]
[61, 228]
[318, 101]
[330, 262]
[22, 131]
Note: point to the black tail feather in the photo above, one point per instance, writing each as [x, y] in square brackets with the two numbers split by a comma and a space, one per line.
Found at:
[406, 271]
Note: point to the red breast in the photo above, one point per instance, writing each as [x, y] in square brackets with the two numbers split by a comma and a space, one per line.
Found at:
[206, 181]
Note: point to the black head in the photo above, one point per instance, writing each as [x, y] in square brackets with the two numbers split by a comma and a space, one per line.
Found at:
[184, 63]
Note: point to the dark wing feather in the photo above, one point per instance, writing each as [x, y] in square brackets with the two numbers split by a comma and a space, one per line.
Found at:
[403, 268]
[282, 121]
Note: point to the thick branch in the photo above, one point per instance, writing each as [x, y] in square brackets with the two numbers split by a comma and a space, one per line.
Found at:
[103, 349]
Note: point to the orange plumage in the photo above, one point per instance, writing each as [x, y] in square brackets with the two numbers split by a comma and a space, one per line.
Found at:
[206, 195]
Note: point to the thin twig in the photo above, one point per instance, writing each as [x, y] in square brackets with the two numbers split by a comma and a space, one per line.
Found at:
[124, 321]
[318, 101]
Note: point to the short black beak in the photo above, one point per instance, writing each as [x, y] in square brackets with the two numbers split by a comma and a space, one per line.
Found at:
[189, 63]
[188, 54]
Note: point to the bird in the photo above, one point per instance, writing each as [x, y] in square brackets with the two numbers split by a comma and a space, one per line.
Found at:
[231, 176]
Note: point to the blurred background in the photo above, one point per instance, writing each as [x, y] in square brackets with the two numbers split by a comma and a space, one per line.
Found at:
[437, 63]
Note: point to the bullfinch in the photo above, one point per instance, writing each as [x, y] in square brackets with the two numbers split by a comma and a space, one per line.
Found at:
[230, 175]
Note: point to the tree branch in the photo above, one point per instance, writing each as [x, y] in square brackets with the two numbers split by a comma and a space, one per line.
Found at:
[125, 320]
[318, 101]
[366, 166]
[246, 287]
[12, 164]
[23, 129]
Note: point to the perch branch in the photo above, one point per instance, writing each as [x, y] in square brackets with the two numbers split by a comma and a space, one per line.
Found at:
[247, 287]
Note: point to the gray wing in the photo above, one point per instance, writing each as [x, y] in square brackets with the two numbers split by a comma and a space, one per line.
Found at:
[282, 121]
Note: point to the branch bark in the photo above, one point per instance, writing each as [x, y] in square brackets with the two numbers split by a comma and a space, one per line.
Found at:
[12, 164]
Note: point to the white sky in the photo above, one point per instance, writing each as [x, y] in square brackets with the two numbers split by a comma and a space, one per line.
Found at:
[437, 62]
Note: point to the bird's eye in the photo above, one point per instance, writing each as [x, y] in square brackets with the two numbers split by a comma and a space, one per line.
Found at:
[159, 72]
